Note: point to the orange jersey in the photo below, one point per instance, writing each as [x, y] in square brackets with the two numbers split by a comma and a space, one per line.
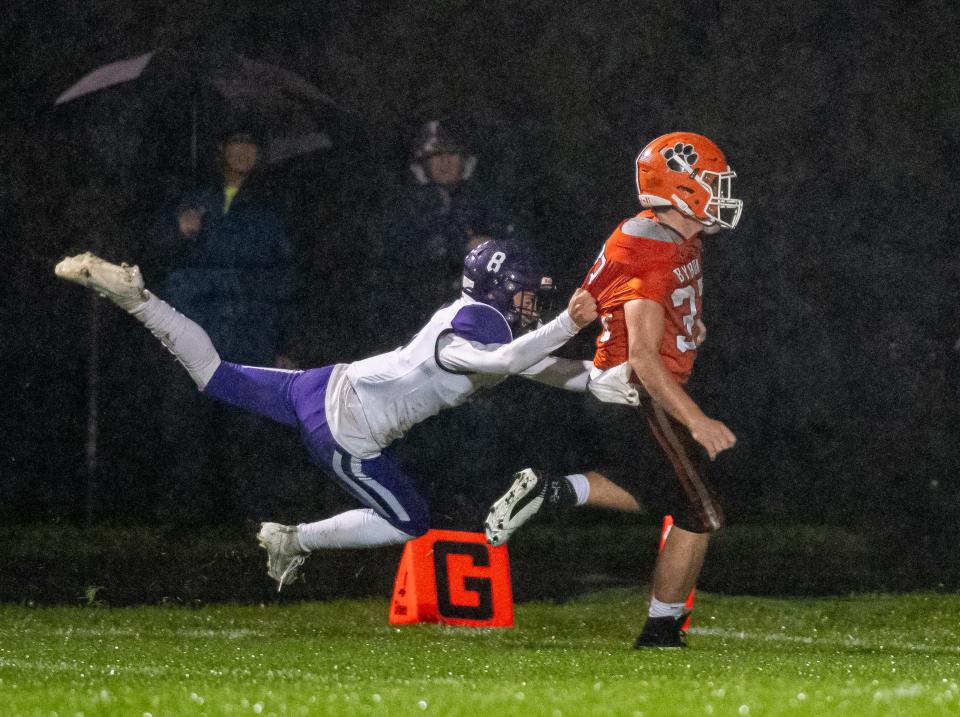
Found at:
[643, 260]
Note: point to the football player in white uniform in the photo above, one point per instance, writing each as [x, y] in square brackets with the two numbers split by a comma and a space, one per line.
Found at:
[348, 415]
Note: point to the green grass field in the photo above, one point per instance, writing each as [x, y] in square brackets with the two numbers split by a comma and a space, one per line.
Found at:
[859, 655]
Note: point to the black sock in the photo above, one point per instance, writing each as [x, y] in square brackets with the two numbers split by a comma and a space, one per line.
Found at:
[557, 492]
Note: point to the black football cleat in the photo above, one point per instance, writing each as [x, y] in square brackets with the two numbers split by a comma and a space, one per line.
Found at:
[663, 633]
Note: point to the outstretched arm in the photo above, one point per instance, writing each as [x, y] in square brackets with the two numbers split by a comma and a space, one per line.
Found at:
[610, 386]
[568, 374]
[456, 353]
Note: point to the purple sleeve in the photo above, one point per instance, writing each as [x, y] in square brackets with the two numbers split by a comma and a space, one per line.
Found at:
[483, 324]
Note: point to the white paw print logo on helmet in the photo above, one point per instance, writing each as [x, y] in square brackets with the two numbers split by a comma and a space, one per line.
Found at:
[680, 157]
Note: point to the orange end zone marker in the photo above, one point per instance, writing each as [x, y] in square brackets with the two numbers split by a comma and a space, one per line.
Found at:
[455, 578]
[664, 532]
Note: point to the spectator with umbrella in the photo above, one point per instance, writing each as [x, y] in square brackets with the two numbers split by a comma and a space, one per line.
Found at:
[224, 250]
[227, 257]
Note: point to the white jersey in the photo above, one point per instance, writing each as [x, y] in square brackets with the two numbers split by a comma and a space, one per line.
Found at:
[463, 347]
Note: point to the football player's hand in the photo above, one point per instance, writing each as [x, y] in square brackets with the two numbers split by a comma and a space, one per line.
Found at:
[713, 435]
[582, 308]
[699, 333]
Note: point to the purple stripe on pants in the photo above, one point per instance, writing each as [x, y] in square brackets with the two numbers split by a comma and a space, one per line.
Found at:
[264, 391]
[298, 398]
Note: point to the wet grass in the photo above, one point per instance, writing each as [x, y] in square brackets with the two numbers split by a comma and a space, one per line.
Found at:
[857, 655]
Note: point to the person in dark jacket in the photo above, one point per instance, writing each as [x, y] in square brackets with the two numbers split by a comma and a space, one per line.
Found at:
[227, 259]
[439, 215]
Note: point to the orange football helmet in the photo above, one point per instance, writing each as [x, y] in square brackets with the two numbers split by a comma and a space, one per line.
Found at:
[689, 172]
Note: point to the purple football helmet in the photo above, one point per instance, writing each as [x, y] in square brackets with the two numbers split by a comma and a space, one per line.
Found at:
[507, 276]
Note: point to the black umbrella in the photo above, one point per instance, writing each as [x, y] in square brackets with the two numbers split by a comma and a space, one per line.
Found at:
[170, 91]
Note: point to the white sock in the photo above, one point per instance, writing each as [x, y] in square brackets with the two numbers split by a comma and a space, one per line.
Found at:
[581, 486]
[361, 528]
[665, 609]
[184, 338]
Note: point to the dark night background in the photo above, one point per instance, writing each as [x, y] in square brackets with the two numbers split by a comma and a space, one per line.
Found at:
[832, 308]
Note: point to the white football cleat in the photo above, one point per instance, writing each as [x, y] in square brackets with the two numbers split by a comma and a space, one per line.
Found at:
[284, 554]
[515, 507]
[122, 284]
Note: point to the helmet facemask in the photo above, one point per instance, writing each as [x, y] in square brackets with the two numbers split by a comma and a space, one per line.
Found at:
[528, 304]
[721, 207]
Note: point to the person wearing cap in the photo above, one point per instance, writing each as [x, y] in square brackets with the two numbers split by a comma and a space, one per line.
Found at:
[227, 256]
[436, 213]
[224, 255]
[447, 201]
[239, 156]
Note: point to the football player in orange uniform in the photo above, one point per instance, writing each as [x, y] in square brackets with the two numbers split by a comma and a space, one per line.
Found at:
[648, 283]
